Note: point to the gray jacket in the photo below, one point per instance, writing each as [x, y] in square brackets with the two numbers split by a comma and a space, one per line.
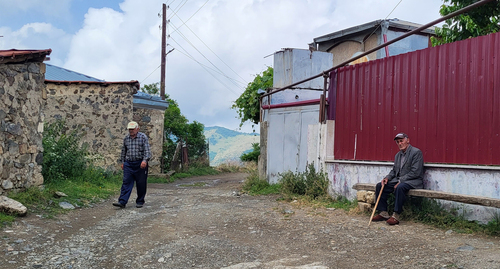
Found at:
[412, 170]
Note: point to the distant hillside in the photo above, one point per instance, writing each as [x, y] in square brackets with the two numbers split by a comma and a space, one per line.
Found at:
[228, 145]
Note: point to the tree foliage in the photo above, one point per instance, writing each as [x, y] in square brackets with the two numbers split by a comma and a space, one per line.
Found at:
[178, 129]
[252, 156]
[152, 88]
[479, 21]
[63, 156]
[247, 105]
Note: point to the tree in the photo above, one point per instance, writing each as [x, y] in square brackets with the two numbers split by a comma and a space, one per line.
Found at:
[479, 21]
[178, 129]
[247, 105]
[152, 88]
[252, 156]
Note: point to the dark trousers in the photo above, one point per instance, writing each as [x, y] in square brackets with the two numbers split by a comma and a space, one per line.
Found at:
[132, 172]
[400, 193]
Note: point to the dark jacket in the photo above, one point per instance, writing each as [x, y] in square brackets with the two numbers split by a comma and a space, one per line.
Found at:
[412, 170]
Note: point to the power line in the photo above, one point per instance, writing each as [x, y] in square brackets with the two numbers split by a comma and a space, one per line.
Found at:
[191, 15]
[385, 19]
[150, 74]
[209, 47]
[185, 38]
[204, 67]
[178, 7]
[192, 58]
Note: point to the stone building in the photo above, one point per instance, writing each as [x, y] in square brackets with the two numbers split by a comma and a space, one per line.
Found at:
[100, 110]
[22, 99]
[149, 113]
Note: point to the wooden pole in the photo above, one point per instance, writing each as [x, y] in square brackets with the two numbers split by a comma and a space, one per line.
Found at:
[163, 51]
[376, 204]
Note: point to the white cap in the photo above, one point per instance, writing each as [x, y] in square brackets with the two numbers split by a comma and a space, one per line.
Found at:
[132, 125]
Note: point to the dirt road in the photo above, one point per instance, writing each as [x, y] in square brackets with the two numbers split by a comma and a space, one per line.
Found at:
[203, 223]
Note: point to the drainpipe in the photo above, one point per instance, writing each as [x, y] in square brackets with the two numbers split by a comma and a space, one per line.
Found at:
[385, 28]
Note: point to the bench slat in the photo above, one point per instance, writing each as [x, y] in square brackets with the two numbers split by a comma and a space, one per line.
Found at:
[462, 198]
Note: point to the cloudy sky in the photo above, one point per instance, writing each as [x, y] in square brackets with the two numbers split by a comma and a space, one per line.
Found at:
[219, 45]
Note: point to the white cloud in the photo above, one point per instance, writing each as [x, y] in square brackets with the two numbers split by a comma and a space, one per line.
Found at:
[125, 45]
[37, 36]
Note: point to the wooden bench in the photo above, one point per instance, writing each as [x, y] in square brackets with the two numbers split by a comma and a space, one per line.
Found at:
[462, 198]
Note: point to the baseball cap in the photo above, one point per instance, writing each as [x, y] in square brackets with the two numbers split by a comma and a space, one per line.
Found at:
[401, 135]
[132, 125]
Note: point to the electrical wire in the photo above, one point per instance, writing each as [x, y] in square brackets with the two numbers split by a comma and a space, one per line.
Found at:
[185, 38]
[192, 58]
[185, 53]
[384, 19]
[150, 74]
[210, 49]
[193, 14]
[178, 8]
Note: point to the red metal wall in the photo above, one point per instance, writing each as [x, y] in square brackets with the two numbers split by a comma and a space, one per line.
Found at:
[447, 99]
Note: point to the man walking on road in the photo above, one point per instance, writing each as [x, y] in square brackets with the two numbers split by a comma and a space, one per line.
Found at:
[407, 173]
[134, 157]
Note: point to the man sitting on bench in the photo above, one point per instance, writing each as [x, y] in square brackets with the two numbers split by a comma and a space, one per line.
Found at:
[407, 173]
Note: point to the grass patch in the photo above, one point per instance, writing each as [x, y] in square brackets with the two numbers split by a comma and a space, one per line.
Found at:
[233, 167]
[190, 172]
[342, 203]
[6, 219]
[81, 193]
[430, 212]
[309, 188]
[160, 179]
[254, 185]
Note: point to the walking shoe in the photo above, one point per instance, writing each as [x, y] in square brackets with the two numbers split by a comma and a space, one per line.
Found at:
[379, 218]
[117, 204]
[139, 205]
[392, 221]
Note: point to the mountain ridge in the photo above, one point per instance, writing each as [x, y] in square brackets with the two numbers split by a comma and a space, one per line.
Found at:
[227, 145]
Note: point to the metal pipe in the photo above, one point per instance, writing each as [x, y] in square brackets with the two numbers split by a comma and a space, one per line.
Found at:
[451, 15]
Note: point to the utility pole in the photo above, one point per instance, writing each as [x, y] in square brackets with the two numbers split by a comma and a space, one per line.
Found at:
[163, 51]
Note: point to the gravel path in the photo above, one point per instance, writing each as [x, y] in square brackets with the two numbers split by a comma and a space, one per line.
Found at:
[203, 222]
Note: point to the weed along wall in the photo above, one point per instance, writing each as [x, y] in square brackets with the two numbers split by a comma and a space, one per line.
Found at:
[99, 111]
[21, 117]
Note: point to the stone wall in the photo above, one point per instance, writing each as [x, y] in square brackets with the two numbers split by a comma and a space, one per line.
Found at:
[21, 114]
[151, 123]
[98, 111]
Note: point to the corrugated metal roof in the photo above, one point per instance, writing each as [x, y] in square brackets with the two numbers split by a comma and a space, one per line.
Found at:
[144, 100]
[395, 23]
[61, 74]
[18, 56]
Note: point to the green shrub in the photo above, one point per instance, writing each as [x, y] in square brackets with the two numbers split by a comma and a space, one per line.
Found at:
[252, 156]
[309, 183]
[63, 156]
[292, 183]
[254, 185]
[431, 212]
[316, 182]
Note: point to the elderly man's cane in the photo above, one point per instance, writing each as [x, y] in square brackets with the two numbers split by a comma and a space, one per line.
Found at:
[376, 204]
